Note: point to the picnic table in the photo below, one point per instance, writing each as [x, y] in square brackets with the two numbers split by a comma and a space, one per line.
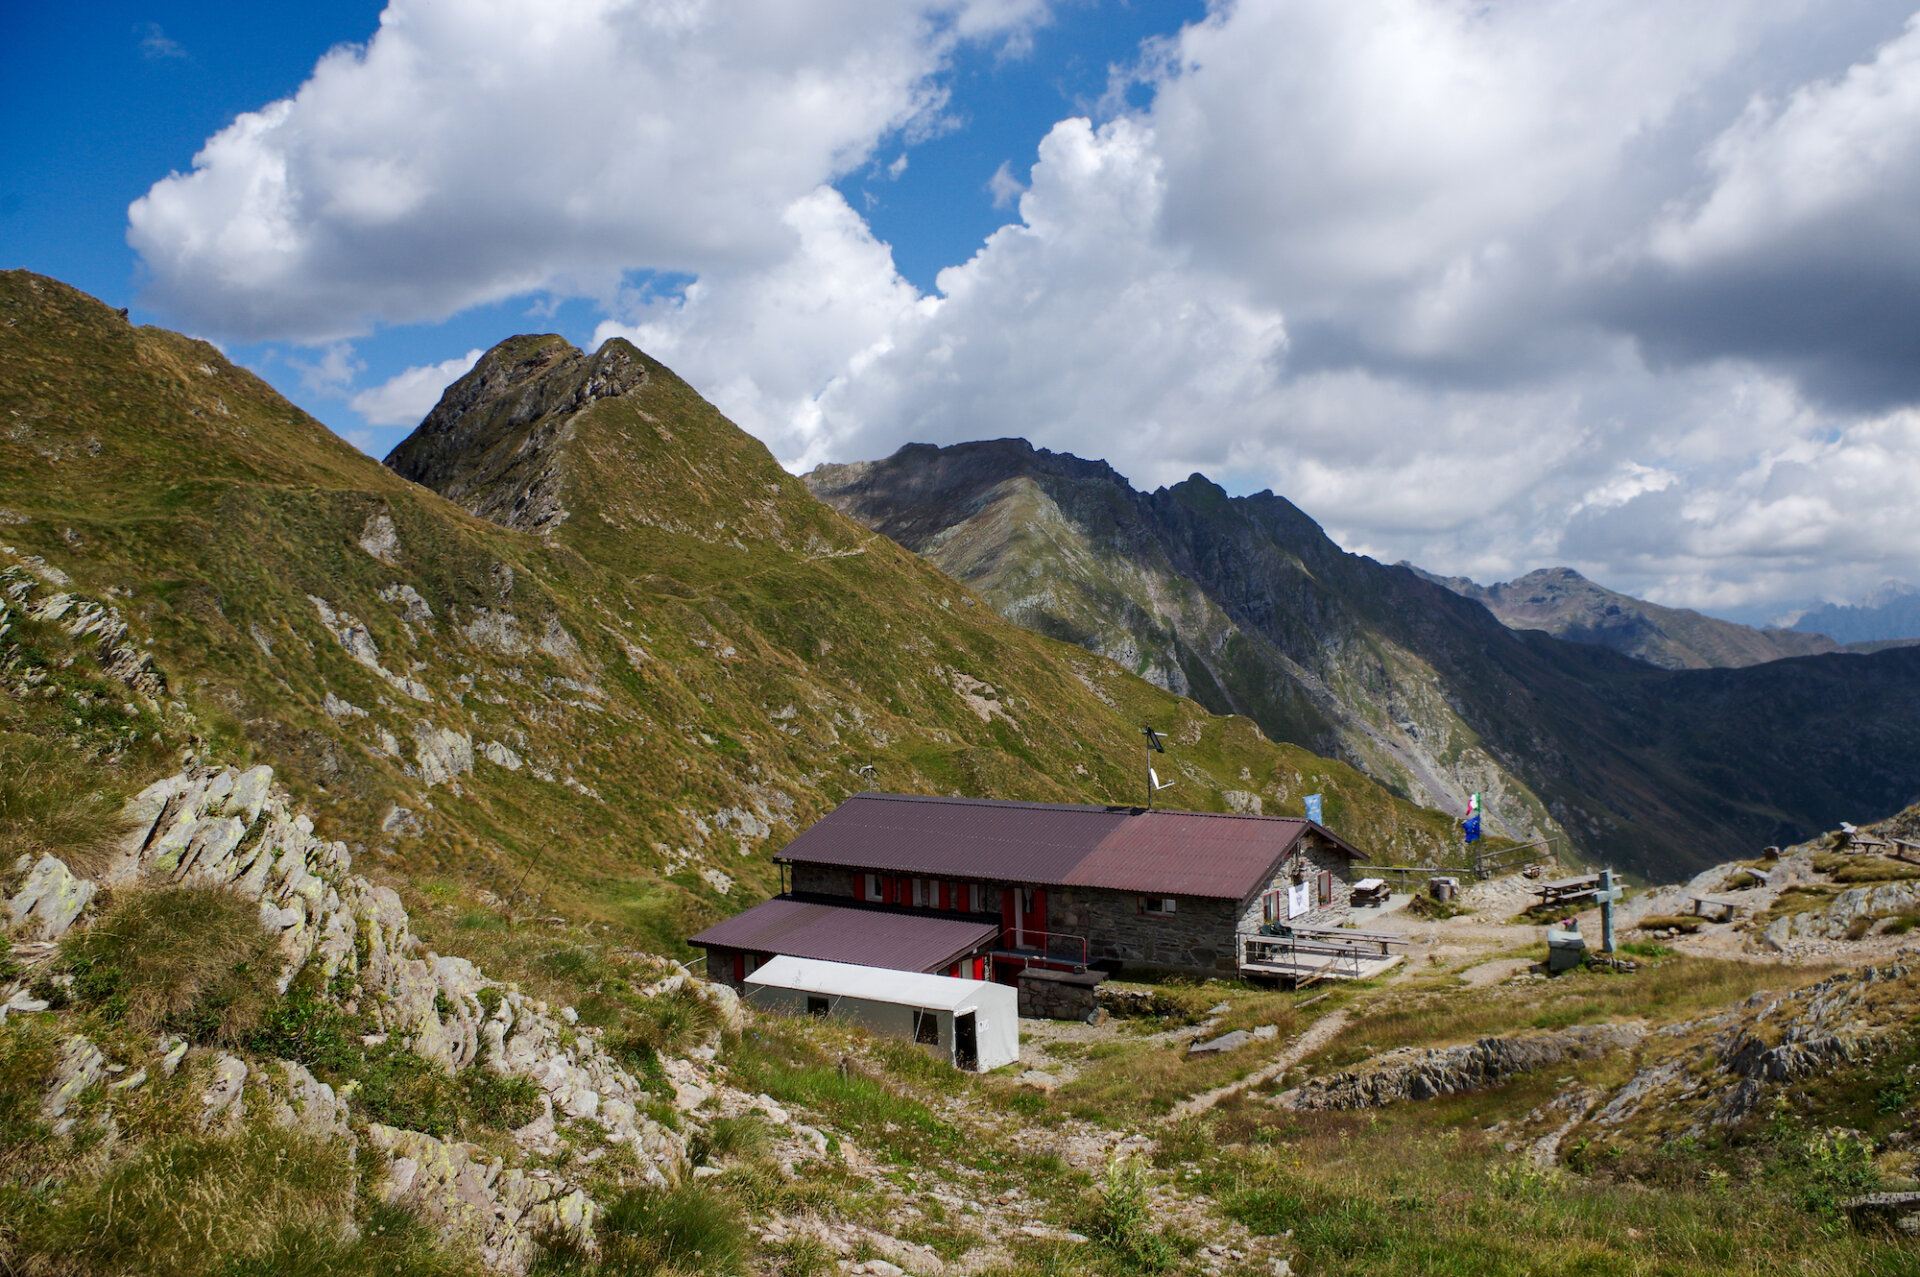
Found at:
[1370, 891]
[1565, 890]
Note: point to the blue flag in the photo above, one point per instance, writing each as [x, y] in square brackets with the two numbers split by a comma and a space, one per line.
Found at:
[1472, 826]
[1315, 813]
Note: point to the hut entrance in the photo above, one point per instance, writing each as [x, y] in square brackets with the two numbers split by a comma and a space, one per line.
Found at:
[966, 1043]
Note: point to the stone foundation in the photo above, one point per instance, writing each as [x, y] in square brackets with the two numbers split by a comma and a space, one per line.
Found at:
[1059, 995]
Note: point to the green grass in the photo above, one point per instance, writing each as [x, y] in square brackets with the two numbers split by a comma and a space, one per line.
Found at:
[690, 1229]
[194, 960]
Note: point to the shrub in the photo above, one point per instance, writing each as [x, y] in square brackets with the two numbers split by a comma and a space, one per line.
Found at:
[191, 959]
[1121, 1218]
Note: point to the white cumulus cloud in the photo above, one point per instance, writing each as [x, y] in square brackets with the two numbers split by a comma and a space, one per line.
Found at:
[406, 397]
[476, 150]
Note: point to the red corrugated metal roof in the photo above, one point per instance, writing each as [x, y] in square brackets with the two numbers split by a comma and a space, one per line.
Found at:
[1188, 854]
[868, 937]
[963, 837]
[1175, 853]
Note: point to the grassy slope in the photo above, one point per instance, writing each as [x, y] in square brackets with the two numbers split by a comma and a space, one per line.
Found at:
[733, 652]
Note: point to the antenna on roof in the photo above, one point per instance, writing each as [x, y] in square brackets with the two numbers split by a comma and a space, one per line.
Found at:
[866, 776]
[1153, 778]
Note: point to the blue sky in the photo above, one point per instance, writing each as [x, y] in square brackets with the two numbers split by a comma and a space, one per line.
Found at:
[1618, 284]
[109, 99]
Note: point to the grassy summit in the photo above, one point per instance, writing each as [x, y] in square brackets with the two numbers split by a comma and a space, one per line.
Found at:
[623, 699]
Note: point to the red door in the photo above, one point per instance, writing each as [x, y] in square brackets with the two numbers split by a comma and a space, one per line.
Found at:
[1023, 912]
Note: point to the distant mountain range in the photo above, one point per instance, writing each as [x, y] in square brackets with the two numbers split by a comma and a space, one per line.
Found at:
[1246, 605]
[1890, 613]
[1567, 605]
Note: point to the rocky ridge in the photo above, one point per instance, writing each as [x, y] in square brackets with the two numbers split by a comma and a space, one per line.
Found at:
[1260, 612]
[1566, 605]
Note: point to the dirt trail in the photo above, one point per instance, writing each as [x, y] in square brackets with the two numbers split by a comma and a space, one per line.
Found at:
[1317, 1035]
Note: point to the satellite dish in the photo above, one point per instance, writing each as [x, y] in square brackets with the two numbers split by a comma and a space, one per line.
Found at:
[1157, 782]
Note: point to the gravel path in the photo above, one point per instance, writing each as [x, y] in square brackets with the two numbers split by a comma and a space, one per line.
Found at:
[1317, 1035]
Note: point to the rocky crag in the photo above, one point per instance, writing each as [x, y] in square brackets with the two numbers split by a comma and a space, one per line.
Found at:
[1246, 604]
[235, 830]
[1566, 605]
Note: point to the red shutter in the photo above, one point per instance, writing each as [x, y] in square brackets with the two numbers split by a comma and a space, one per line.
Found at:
[739, 968]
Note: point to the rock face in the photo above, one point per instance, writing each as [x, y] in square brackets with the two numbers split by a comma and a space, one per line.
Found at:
[1838, 918]
[494, 441]
[1415, 1074]
[1767, 1041]
[1245, 604]
[1567, 605]
[230, 828]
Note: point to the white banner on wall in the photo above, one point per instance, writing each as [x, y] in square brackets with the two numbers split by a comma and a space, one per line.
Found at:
[1299, 899]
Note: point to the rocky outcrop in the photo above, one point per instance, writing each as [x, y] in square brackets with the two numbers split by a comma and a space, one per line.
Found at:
[1423, 1074]
[476, 1201]
[231, 828]
[1768, 1041]
[1838, 918]
[494, 441]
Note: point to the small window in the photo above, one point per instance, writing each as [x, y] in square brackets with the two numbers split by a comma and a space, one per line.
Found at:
[1326, 888]
[926, 1028]
[920, 893]
[816, 1006]
[974, 903]
[1270, 907]
[870, 887]
[1158, 906]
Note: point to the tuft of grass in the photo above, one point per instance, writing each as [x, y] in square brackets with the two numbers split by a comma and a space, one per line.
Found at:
[1645, 949]
[743, 1136]
[192, 959]
[191, 1205]
[688, 1229]
[50, 806]
[391, 1240]
[1684, 922]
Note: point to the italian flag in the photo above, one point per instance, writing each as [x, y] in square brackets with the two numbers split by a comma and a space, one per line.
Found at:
[1473, 806]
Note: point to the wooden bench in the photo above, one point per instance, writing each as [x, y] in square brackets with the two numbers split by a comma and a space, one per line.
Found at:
[1725, 910]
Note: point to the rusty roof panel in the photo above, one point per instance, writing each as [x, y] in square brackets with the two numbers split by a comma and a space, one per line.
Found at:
[956, 837]
[866, 937]
[1175, 853]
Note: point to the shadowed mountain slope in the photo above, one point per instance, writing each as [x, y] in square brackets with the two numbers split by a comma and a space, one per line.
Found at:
[656, 657]
[1566, 605]
[1248, 605]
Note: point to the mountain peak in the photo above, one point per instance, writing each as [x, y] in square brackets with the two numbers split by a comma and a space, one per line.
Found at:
[494, 441]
